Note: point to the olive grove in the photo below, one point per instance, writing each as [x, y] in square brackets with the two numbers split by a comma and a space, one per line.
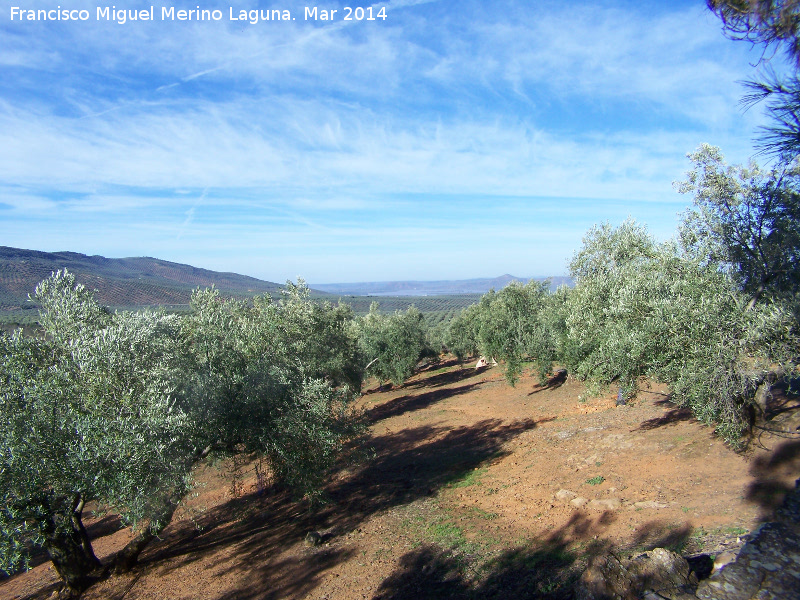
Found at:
[712, 313]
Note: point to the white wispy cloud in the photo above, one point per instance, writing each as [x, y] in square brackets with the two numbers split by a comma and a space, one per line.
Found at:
[291, 132]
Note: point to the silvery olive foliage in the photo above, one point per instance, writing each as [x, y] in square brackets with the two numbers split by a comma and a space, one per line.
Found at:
[116, 409]
[745, 220]
[676, 312]
[88, 412]
[642, 309]
[518, 324]
[261, 381]
[461, 337]
[392, 345]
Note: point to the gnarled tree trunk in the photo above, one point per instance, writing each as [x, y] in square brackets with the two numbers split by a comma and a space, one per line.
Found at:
[70, 549]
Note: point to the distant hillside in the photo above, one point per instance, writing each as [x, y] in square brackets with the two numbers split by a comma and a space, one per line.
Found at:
[138, 282]
[430, 288]
[120, 282]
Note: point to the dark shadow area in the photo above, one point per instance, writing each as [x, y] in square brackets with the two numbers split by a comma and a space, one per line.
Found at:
[660, 534]
[453, 376]
[107, 525]
[248, 534]
[675, 414]
[415, 463]
[444, 378]
[428, 573]
[772, 476]
[555, 382]
[784, 398]
[44, 593]
[403, 404]
[545, 568]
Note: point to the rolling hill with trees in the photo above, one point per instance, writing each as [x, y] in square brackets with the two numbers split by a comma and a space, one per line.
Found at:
[120, 282]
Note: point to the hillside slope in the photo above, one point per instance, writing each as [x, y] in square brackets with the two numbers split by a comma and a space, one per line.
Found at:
[140, 281]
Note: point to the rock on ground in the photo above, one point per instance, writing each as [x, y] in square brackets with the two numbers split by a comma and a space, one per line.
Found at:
[766, 568]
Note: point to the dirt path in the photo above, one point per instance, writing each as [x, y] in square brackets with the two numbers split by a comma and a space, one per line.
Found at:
[476, 490]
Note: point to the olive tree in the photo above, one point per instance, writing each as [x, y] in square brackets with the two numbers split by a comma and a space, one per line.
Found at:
[513, 327]
[461, 337]
[89, 412]
[256, 387]
[319, 335]
[517, 324]
[392, 345]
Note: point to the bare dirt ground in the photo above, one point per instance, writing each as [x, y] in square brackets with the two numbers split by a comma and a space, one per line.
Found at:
[476, 490]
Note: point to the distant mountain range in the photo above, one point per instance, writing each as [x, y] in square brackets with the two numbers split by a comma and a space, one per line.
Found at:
[431, 288]
[120, 282]
[143, 281]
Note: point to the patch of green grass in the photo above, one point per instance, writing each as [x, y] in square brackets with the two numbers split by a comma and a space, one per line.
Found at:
[482, 514]
[471, 478]
[596, 480]
[698, 537]
[735, 530]
[447, 534]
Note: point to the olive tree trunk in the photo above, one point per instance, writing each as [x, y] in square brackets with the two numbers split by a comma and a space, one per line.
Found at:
[70, 549]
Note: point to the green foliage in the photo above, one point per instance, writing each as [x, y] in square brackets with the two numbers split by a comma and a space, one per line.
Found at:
[461, 337]
[319, 336]
[117, 408]
[392, 345]
[258, 381]
[513, 327]
[685, 314]
[642, 309]
[87, 413]
[518, 323]
[747, 221]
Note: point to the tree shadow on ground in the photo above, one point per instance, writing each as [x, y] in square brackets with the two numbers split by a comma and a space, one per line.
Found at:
[556, 381]
[544, 568]
[404, 404]
[784, 398]
[446, 378]
[415, 463]
[674, 415]
[103, 526]
[773, 476]
[248, 535]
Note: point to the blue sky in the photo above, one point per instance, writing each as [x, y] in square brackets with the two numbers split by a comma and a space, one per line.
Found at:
[454, 139]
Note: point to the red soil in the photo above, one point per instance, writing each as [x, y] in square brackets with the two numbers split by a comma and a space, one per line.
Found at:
[461, 499]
